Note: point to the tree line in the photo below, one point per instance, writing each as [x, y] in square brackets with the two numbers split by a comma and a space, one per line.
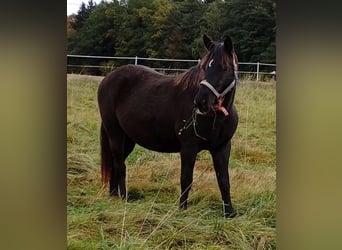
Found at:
[172, 29]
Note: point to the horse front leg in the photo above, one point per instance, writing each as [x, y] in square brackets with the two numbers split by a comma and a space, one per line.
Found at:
[221, 162]
[188, 158]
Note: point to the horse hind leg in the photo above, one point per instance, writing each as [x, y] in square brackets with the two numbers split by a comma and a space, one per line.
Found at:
[128, 148]
[121, 146]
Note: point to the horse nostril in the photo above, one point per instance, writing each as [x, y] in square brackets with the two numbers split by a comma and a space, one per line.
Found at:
[200, 102]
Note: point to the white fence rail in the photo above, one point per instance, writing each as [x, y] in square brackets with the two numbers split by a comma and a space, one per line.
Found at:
[258, 73]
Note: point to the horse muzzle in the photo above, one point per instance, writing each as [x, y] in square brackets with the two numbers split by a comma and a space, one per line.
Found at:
[202, 106]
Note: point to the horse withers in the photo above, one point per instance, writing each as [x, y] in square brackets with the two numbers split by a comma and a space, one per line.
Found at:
[185, 113]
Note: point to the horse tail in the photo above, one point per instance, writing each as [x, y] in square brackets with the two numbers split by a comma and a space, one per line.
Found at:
[106, 157]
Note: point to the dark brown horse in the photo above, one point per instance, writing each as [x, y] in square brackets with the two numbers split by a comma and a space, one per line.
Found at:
[186, 113]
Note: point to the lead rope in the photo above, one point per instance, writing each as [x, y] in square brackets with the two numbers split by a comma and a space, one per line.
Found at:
[191, 121]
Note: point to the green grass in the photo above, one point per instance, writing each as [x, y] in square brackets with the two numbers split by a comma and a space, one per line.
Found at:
[151, 219]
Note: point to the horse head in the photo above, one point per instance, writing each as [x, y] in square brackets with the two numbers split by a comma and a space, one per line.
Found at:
[220, 66]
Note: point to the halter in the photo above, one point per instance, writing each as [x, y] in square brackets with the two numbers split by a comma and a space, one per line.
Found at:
[219, 96]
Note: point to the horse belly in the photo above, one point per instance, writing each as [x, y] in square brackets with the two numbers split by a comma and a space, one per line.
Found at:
[159, 145]
[150, 133]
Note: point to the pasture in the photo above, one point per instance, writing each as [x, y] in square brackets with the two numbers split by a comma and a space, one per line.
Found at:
[150, 219]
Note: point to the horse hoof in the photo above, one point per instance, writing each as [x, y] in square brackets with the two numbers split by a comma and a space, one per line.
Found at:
[113, 194]
[183, 206]
[230, 214]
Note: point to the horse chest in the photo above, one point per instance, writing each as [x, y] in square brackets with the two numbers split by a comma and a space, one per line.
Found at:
[217, 136]
[215, 132]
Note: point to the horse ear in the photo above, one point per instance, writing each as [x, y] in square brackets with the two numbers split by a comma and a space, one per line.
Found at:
[228, 45]
[207, 42]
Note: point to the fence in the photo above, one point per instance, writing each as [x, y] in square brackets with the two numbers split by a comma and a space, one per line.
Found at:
[101, 65]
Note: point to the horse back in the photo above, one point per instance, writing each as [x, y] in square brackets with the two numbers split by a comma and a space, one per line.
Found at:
[129, 77]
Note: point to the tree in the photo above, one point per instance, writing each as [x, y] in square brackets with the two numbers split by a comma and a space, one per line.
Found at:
[186, 25]
[214, 20]
[83, 14]
[70, 30]
[173, 29]
[252, 25]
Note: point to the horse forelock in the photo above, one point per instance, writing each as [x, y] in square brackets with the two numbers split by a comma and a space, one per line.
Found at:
[220, 55]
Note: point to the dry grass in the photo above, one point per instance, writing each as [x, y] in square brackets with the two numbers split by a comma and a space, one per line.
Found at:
[151, 219]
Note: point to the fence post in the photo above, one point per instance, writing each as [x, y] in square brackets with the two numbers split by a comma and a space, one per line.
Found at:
[257, 72]
[136, 60]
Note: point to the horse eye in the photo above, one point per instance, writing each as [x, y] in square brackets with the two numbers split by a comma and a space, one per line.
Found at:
[211, 62]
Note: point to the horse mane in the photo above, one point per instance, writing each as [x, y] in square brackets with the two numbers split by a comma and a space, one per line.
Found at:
[193, 76]
[190, 78]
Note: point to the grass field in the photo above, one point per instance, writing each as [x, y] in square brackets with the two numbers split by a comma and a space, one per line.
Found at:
[151, 219]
